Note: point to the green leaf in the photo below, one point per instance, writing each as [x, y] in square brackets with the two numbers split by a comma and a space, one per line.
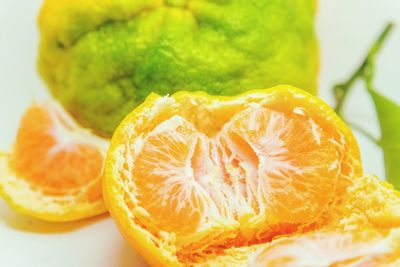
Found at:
[389, 119]
[388, 112]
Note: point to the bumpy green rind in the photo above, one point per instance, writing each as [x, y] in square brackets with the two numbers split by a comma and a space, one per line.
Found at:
[102, 58]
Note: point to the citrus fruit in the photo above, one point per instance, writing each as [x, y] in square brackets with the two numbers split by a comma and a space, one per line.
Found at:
[54, 171]
[191, 175]
[365, 248]
[362, 230]
[102, 58]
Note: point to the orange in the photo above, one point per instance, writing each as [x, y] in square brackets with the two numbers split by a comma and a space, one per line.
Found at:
[364, 220]
[365, 248]
[54, 171]
[190, 176]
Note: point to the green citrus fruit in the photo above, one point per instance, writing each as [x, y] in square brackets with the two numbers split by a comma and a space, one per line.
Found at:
[101, 58]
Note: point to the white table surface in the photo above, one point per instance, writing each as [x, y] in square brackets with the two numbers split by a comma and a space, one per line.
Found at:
[346, 29]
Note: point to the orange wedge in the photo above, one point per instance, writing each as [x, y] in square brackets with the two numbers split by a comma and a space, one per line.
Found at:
[54, 171]
[190, 176]
[366, 248]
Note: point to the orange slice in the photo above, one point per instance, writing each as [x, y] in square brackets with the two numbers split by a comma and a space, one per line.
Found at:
[191, 175]
[54, 171]
[365, 248]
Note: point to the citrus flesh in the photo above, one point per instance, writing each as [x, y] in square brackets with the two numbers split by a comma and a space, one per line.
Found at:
[54, 171]
[357, 248]
[102, 58]
[250, 167]
[191, 176]
[362, 230]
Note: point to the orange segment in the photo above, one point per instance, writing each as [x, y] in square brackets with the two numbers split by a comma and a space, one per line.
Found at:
[56, 161]
[170, 192]
[190, 175]
[47, 154]
[364, 248]
[286, 158]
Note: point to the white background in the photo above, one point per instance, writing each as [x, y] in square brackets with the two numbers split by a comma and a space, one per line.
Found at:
[346, 29]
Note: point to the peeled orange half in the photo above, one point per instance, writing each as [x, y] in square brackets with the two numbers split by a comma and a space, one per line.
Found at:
[55, 169]
[199, 180]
